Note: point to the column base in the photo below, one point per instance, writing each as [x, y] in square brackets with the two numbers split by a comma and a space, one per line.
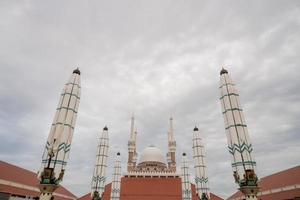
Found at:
[46, 196]
[250, 192]
[46, 191]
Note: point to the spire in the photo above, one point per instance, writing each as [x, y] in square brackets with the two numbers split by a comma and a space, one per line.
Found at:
[134, 159]
[98, 180]
[185, 179]
[135, 134]
[201, 178]
[116, 183]
[170, 133]
[239, 144]
[132, 128]
[132, 155]
[171, 157]
[58, 145]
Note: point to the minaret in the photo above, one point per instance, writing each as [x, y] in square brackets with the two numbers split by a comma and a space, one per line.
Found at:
[201, 178]
[134, 159]
[98, 180]
[171, 148]
[239, 143]
[185, 179]
[58, 144]
[132, 147]
[116, 183]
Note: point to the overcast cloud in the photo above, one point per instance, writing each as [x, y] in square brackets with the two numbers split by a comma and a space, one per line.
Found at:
[153, 58]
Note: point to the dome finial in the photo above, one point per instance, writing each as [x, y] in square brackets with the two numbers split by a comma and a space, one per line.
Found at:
[76, 71]
[105, 128]
[223, 71]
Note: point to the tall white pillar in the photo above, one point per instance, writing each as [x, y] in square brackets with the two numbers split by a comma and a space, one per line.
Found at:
[171, 156]
[116, 183]
[98, 180]
[132, 155]
[59, 140]
[239, 144]
[201, 178]
[185, 179]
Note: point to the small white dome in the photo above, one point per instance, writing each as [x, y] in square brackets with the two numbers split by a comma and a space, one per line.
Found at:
[152, 154]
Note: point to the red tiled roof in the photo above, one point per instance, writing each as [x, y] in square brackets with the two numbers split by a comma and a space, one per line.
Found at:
[149, 189]
[235, 195]
[284, 178]
[215, 197]
[22, 176]
[282, 195]
[278, 180]
[15, 190]
[85, 197]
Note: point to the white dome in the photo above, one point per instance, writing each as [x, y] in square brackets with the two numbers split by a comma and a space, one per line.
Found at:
[152, 154]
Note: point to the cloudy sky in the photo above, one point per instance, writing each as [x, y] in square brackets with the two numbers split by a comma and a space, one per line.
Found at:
[154, 58]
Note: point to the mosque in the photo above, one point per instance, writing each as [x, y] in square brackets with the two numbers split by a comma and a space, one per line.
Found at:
[151, 176]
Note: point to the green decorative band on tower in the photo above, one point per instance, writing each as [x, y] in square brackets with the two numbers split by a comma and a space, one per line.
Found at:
[232, 109]
[71, 94]
[59, 123]
[62, 146]
[47, 145]
[73, 84]
[201, 180]
[97, 188]
[230, 94]
[65, 147]
[236, 125]
[99, 178]
[66, 108]
[187, 192]
[55, 161]
[240, 148]
[249, 163]
[226, 85]
[115, 190]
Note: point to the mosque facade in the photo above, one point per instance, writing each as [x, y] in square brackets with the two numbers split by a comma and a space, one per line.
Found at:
[151, 160]
[151, 175]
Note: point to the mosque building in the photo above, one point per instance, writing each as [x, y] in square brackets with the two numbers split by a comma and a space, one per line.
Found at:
[150, 176]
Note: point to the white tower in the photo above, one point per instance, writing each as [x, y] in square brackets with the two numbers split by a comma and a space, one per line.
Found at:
[116, 183]
[132, 155]
[58, 144]
[185, 179]
[134, 158]
[171, 155]
[201, 178]
[239, 144]
[98, 180]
